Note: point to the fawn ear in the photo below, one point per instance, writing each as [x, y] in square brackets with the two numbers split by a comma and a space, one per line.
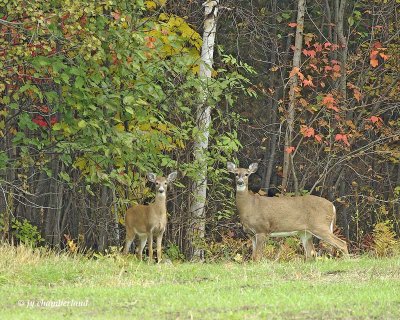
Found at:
[253, 167]
[172, 176]
[231, 167]
[151, 177]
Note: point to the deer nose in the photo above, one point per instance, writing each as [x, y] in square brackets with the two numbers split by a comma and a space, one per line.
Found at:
[161, 190]
[240, 182]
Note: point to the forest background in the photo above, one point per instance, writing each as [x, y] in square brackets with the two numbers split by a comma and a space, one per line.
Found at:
[96, 94]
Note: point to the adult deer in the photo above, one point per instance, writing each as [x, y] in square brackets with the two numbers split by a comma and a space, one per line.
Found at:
[149, 220]
[304, 216]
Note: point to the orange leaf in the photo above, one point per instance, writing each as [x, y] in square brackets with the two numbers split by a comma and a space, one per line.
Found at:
[292, 24]
[336, 68]
[318, 47]
[384, 56]
[357, 95]
[289, 150]
[308, 132]
[375, 119]
[342, 137]
[374, 63]
[116, 15]
[309, 53]
[294, 71]
[308, 82]
[318, 138]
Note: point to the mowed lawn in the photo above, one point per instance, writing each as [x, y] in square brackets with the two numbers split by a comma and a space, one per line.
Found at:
[33, 285]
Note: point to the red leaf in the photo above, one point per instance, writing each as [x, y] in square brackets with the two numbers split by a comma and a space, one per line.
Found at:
[318, 138]
[318, 47]
[357, 95]
[150, 42]
[289, 150]
[308, 132]
[116, 15]
[342, 137]
[384, 56]
[328, 68]
[308, 82]
[39, 120]
[327, 45]
[292, 24]
[336, 68]
[309, 53]
[374, 63]
[375, 119]
[330, 102]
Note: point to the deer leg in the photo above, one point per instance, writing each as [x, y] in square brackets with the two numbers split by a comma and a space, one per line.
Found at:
[306, 239]
[159, 252]
[259, 246]
[143, 240]
[150, 239]
[334, 241]
[128, 242]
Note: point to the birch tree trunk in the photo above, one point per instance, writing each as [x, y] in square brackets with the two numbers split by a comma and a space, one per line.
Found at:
[203, 120]
[293, 82]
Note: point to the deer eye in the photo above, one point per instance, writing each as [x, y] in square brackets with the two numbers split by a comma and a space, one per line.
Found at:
[246, 174]
[236, 174]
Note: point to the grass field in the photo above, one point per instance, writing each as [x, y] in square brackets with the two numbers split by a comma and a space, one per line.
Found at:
[38, 285]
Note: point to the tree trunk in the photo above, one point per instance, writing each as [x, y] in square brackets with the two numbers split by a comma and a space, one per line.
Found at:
[293, 82]
[203, 118]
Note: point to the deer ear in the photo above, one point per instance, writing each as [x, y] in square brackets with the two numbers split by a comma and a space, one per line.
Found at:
[231, 167]
[253, 167]
[151, 177]
[172, 176]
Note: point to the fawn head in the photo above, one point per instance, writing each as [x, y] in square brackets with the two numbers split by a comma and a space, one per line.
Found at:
[242, 174]
[161, 182]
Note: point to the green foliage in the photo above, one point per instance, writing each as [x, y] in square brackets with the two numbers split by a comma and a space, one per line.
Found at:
[26, 233]
[173, 253]
[385, 242]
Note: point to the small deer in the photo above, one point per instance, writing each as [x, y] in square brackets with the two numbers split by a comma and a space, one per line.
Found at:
[149, 220]
[264, 217]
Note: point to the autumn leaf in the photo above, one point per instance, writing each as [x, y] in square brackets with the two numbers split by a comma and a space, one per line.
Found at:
[307, 132]
[116, 15]
[327, 45]
[357, 95]
[374, 63]
[296, 71]
[292, 24]
[318, 138]
[343, 138]
[308, 82]
[289, 150]
[330, 103]
[309, 53]
[384, 56]
[336, 68]
[376, 120]
[318, 47]
[150, 42]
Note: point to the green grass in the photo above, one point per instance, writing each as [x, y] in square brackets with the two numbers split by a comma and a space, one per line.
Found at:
[120, 287]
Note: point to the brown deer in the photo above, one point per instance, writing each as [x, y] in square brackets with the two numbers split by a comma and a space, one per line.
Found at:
[149, 220]
[264, 217]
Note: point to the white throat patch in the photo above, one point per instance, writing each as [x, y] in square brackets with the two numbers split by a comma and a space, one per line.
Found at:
[241, 187]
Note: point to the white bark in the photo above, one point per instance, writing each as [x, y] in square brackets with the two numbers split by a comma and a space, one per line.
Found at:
[203, 118]
[293, 82]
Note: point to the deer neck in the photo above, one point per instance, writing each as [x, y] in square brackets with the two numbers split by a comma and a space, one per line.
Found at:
[160, 202]
[243, 200]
